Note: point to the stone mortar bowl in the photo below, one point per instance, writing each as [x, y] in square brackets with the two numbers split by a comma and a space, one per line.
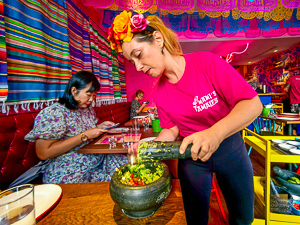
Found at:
[282, 177]
[144, 200]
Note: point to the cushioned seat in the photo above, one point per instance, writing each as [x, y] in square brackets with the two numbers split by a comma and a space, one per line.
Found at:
[18, 155]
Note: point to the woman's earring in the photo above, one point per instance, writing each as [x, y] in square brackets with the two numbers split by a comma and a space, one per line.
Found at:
[162, 51]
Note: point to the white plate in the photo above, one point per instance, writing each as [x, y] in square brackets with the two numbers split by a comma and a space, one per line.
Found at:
[139, 117]
[295, 143]
[287, 146]
[296, 198]
[148, 139]
[295, 151]
[45, 197]
[117, 130]
[287, 118]
[278, 141]
[290, 114]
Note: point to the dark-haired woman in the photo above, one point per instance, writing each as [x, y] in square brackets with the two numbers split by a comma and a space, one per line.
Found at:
[64, 127]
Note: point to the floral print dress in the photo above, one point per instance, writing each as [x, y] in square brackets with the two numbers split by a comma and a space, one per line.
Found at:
[60, 123]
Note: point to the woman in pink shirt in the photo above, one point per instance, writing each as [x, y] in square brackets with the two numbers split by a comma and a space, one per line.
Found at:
[202, 98]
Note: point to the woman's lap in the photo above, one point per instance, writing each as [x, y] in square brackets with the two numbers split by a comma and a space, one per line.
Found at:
[97, 168]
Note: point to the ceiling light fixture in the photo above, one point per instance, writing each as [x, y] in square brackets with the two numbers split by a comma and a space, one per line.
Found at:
[275, 50]
[249, 62]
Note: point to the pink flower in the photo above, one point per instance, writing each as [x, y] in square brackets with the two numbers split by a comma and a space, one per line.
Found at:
[138, 23]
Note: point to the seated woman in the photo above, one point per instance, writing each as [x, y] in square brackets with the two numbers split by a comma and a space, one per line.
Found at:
[64, 127]
[136, 107]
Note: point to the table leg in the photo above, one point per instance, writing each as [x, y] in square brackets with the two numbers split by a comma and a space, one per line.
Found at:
[290, 130]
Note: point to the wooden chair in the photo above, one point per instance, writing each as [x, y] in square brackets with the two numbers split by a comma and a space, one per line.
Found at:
[265, 127]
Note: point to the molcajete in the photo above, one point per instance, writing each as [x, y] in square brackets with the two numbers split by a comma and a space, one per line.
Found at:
[282, 178]
[144, 200]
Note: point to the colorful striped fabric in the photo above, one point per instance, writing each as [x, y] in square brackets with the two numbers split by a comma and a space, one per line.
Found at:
[3, 64]
[115, 78]
[38, 59]
[102, 63]
[122, 77]
[95, 54]
[78, 26]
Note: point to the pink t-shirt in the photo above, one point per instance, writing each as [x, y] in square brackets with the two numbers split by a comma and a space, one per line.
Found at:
[294, 89]
[206, 93]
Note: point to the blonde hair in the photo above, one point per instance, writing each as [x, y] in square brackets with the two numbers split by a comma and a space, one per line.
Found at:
[171, 42]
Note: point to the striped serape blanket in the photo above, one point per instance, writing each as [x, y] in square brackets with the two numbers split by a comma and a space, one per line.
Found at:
[122, 77]
[3, 64]
[115, 78]
[38, 59]
[78, 26]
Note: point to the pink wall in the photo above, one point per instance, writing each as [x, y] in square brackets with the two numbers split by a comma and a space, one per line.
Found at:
[137, 80]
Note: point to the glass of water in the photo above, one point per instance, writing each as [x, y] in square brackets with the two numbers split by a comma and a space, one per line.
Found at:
[126, 138]
[112, 142]
[145, 123]
[17, 205]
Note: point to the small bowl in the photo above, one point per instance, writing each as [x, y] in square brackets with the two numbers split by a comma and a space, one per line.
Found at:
[278, 141]
[287, 146]
[295, 143]
[294, 210]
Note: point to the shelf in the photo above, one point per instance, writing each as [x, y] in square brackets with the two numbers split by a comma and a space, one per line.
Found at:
[285, 218]
[276, 155]
[296, 68]
[274, 68]
[279, 84]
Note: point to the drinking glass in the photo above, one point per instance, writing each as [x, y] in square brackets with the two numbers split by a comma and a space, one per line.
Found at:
[145, 123]
[126, 138]
[135, 124]
[112, 142]
[17, 205]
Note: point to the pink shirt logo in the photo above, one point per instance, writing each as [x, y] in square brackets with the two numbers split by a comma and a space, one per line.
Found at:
[205, 101]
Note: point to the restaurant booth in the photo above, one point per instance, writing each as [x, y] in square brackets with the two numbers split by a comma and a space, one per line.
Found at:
[45, 42]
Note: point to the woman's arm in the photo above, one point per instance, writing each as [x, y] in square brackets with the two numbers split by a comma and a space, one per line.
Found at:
[168, 134]
[141, 108]
[243, 113]
[46, 149]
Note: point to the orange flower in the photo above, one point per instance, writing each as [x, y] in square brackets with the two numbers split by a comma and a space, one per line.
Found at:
[120, 31]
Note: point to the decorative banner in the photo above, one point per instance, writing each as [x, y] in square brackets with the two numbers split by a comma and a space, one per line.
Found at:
[291, 3]
[175, 4]
[293, 25]
[216, 5]
[78, 26]
[135, 4]
[200, 28]
[3, 59]
[38, 59]
[192, 26]
[98, 3]
[177, 23]
[256, 5]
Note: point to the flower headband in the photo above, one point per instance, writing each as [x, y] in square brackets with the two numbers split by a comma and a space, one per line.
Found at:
[123, 27]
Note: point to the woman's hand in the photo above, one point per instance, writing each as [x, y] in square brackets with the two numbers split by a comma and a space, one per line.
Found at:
[105, 124]
[94, 132]
[207, 141]
[133, 149]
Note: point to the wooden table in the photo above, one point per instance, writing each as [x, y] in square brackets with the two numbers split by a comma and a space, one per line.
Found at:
[91, 148]
[90, 203]
[289, 123]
